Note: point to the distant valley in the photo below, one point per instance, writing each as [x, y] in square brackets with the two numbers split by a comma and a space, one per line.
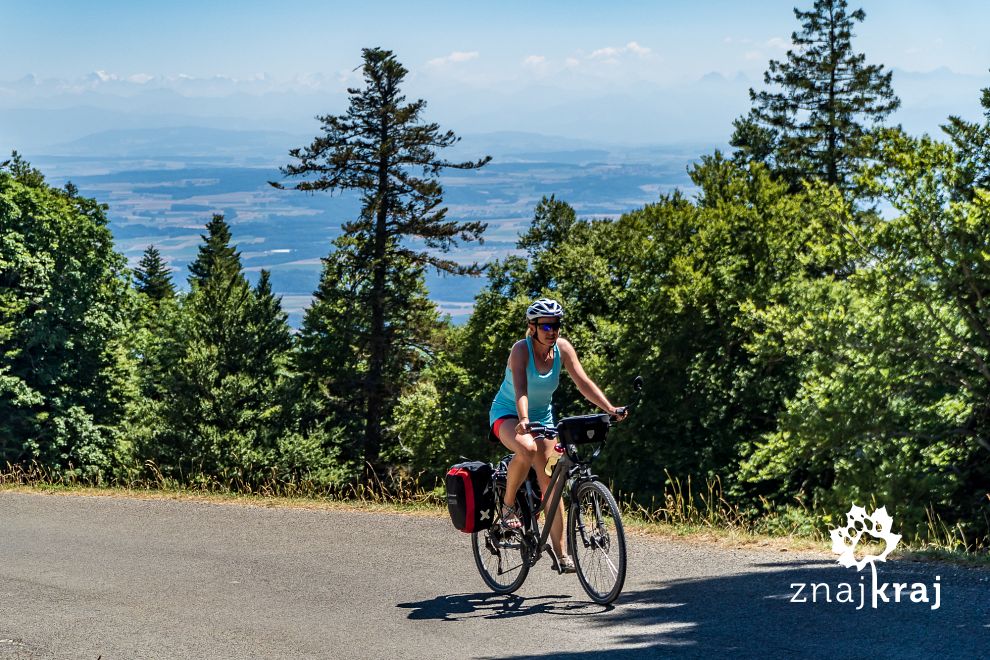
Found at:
[162, 186]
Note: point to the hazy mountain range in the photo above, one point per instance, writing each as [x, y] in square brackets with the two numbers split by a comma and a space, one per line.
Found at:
[37, 115]
[167, 153]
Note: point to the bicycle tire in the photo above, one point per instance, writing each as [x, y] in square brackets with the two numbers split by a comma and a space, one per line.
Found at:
[598, 541]
[499, 554]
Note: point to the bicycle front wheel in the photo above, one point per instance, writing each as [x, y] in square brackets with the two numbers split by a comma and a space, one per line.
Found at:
[500, 554]
[596, 537]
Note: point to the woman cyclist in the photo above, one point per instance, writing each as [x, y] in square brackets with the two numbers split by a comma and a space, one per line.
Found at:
[531, 376]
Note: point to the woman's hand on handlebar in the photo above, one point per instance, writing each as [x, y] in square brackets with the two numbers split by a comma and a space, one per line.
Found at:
[619, 414]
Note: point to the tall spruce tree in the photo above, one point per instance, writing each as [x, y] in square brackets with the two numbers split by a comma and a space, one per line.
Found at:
[216, 254]
[225, 409]
[268, 329]
[152, 277]
[382, 147]
[821, 102]
[972, 144]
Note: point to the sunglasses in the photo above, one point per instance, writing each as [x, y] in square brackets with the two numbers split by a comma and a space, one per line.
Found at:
[547, 327]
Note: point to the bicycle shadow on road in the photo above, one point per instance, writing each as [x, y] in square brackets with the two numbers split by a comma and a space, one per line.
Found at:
[457, 607]
[755, 615]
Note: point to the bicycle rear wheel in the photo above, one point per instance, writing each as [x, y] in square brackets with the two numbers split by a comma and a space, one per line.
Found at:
[596, 537]
[499, 554]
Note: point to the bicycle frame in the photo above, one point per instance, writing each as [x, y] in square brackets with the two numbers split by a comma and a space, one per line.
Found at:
[552, 498]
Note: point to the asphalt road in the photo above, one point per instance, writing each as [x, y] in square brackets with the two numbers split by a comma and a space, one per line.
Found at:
[88, 577]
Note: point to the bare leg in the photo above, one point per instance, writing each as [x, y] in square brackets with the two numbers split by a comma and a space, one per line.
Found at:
[557, 524]
[524, 447]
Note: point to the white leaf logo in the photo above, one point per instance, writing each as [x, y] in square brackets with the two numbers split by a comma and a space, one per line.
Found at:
[845, 539]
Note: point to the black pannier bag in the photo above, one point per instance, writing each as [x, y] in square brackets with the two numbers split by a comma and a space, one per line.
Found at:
[470, 497]
[582, 429]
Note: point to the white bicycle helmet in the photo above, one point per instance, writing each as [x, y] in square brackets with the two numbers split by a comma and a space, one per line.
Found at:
[544, 307]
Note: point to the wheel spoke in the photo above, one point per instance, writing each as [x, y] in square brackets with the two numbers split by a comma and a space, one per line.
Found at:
[499, 555]
[611, 566]
[597, 539]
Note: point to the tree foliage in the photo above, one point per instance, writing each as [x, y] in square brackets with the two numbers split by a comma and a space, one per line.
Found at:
[223, 409]
[893, 397]
[382, 147]
[335, 344]
[795, 346]
[152, 277]
[65, 376]
[820, 104]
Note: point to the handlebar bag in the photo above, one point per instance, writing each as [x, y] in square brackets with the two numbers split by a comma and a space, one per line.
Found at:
[582, 429]
[470, 497]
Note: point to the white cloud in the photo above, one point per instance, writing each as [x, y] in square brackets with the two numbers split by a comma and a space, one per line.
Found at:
[634, 47]
[534, 60]
[454, 58]
[605, 52]
[103, 76]
[132, 84]
[753, 55]
[610, 54]
[779, 43]
[571, 62]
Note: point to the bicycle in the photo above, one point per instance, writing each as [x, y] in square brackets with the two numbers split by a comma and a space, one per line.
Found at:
[595, 536]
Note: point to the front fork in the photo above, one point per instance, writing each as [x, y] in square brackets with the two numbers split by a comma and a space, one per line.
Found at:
[597, 537]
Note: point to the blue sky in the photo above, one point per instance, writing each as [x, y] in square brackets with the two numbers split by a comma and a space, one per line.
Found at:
[629, 71]
[246, 38]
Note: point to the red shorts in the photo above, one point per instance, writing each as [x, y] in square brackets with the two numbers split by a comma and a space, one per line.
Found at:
[493, 436]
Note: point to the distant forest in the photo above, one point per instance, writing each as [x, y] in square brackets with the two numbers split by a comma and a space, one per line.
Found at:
[813, 327]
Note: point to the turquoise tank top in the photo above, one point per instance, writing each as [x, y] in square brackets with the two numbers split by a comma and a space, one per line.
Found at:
[539, 389]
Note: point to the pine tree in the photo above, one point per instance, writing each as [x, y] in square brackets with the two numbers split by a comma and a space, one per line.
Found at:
[225, 412]
[821, 103]
[152, 277]
[382, 147]
[220, 293]
[216, 254]
[972, 145]
[268, 330]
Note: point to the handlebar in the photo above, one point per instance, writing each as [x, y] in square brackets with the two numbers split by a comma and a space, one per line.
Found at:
[550, 431]
[571, 450]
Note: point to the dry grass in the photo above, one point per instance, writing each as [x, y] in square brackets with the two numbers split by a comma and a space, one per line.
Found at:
[686, 513]
[395, 491]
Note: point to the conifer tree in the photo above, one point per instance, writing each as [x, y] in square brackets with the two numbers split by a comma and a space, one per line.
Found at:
[152, 277]
[820, 103]
[333, 359]
[268, 330]
[216, 254]
[220, 293]
[382, 147]
[225, 409]
[972, 144]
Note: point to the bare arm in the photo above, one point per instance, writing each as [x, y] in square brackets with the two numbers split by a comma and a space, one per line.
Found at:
[585, 385]
[518, 358]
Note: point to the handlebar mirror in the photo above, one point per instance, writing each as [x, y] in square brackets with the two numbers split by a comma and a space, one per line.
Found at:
[637, 383]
